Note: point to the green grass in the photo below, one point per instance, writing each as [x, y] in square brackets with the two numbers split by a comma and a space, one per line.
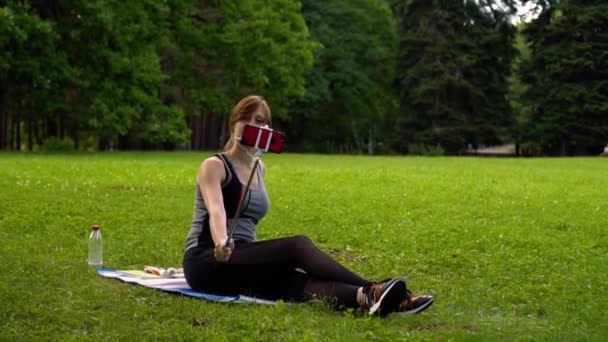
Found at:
[512, 249]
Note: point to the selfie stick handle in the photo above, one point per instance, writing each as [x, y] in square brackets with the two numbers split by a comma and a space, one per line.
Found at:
[238, 210]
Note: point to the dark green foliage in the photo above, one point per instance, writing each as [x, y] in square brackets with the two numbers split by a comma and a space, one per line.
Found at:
[340, 76]
[54, 144]
[228, 50]
[454, 60]
[31, 68]
[128, 73]
[99, 66]
[348, 91]
[225, 51]
[521, 109]
[567, 78]
[424, 150]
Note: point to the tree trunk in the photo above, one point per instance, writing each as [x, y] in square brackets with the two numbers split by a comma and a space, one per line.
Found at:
[30, 133]
[3, 128]
[356, 137]
[123, 142]
[3, 118]
[191, 124]
[215, 132]
[10, 133]
[195, 129]
[37, 136]
[212, 127]
[104, 144]
[224, 131]
[205, 131]
[75, 138]
[49, 130]
[60, 126]
[201, 131]
[17, 133]
[371, 145]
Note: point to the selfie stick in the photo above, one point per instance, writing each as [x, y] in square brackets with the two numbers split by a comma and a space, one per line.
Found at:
[240, 207]
[258, 153]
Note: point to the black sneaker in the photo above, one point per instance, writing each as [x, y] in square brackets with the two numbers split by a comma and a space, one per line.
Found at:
[384, 297]
[414, 304]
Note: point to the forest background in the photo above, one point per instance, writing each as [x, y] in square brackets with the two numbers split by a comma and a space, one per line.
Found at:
[341, 76]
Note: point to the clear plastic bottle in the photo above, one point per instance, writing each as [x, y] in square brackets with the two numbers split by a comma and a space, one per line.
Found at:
[95, 247]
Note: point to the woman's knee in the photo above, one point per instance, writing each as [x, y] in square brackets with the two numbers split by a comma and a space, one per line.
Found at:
[302, 243]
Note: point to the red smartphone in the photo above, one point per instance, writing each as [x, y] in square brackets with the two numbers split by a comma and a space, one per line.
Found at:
[263, 138]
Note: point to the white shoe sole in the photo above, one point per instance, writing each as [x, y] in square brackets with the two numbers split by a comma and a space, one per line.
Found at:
[418, 309]
[390, 289]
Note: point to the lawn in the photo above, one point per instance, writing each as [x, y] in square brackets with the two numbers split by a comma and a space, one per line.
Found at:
[513, 249]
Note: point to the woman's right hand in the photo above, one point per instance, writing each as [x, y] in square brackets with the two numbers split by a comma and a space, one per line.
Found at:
[223, 253]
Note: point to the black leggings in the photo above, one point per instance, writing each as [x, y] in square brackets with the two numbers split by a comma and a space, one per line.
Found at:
[291, 269]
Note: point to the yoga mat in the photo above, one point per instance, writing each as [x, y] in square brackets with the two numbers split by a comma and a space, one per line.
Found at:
[174, 285]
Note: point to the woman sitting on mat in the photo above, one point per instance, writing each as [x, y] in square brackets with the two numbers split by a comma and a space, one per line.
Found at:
[270, 269]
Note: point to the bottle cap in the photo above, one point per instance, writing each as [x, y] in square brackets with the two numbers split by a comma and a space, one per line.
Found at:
[95, 227]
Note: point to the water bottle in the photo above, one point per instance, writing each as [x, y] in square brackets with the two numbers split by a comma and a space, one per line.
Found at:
[95, 247]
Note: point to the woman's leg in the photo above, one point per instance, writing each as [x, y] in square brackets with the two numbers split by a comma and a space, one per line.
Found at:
[267, 269]
[295, 252]
[267, 281]
[340, 294]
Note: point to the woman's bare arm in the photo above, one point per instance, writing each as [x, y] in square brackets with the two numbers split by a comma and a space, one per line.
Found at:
[209, 179]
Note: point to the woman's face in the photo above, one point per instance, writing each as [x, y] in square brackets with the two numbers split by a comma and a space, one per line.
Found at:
[258, 118]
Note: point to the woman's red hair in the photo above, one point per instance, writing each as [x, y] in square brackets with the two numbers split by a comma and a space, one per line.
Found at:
[244, 110]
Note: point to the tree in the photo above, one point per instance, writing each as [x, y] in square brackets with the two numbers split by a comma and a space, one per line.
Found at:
[85, 68]
[224, 51]
[454, 61]
[31, 66]
[517, 89]
[567, 78]
[129, 72]
[348, 92]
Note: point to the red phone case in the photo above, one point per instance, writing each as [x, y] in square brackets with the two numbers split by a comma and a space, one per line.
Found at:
[263, 138]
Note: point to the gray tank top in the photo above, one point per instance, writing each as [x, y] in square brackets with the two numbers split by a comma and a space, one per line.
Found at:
[255, 206]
